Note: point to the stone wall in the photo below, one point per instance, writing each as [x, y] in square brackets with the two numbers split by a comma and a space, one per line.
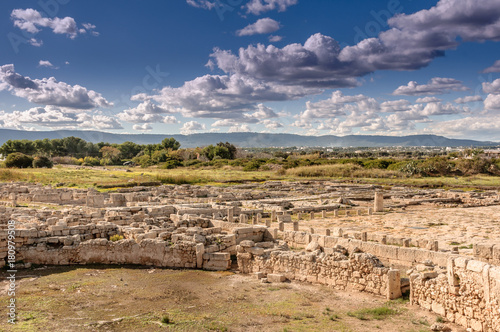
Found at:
[468, 293]
[357, 271]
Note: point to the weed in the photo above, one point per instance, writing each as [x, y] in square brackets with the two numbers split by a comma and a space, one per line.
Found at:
[166, 320]
[375, 313]
[116, 237]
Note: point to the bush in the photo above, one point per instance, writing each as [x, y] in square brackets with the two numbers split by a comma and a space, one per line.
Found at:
[18, 160]
[378, 163]
[171, 164]
[116, 237]
[144, 161]
[192, 162]
[41, 162]
[91, 161]
[67, 160]
[252, 165]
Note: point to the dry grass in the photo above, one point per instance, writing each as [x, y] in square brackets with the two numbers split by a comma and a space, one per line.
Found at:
[341, 171]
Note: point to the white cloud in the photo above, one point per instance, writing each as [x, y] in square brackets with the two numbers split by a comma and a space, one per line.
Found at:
[258, 7]
[46, 63]
[275, 39]
[169, 119]
[468, 99]
[408, 44]
[32, 21]
[272, 124]
[262, 26]
[244, 128]
[143, 127]
[191, 127]
[484, 127]
[146, 112]
[395, 105]
[57, 118]
[205, 4]
[426, 100]
[493, 69]
[493, 87]
[48, 91]
[437, 85]
[222, 97]
[492, 102]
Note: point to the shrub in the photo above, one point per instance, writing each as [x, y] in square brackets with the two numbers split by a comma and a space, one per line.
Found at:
[378, 163]
[252, 165]
[91, 161]
[67, 160]
[192, 162]
[172, 164]
[144, 161]
[116, 237]
[18, 160]
[41, 161]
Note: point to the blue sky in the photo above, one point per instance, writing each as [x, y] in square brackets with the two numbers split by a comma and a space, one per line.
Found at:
[394, 67]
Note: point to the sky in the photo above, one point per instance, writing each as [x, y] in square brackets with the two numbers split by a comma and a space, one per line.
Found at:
[317, 67]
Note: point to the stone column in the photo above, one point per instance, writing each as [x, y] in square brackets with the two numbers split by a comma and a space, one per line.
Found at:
[281, 226]
[296, 226]
[268, 222]
[259, 218]
[335, 213]
[378, 205]
[299, 216]
[323, 214]
[254, 220]
[359, 212]
[311, 230]
[13, 199]
[273, 216]
[242, 218]
[230, 214]
[327, 232]
[364, 236]
[393, 285]
[312, 215]
[200, 250]
[370, 211]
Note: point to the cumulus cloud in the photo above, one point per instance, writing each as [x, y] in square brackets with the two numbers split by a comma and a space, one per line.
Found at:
[191, 127]
[222, 96]
[57, 118]
[243, 128]
[468, 99]
[46, 63]
[258, 7]
[335, 106]
[49, 91]
[492, 102]
[395, 105]
[493, 87]
[437, 85]
[314, 64]
[170, 119]
[146, 112]
[205, 4]
[32, 21]
[426, 100]
[486, 127]
[493, 69]
[275, 39]
[262, 26]
[411, 42]
[143, 127]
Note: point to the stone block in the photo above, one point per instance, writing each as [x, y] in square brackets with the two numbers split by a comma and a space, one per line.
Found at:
[276, 278]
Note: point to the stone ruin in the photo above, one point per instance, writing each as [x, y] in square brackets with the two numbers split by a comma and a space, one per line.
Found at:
[261, 229]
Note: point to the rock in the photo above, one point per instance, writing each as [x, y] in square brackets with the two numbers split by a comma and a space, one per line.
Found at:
[312, 246]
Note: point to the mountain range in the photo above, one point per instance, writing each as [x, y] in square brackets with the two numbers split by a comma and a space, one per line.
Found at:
[251, 139]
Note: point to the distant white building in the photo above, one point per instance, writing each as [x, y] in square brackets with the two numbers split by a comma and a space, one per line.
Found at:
[491, 153]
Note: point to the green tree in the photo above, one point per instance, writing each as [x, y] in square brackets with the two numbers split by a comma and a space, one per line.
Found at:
[170, 143]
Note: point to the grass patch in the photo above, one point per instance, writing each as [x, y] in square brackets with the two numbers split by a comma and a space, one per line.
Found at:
[378, 313]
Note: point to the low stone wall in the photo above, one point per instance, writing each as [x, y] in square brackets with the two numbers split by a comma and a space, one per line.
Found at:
[389, 254]
[468, 294]
[358, 271]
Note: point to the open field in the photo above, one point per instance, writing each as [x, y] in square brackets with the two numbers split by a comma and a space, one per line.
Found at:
[97, 298]
[119, 176]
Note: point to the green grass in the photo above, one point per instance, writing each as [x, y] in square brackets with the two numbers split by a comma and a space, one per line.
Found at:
[378, 313]
[111, 177]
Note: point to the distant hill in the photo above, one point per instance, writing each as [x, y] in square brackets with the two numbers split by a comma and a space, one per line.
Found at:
[250, 139]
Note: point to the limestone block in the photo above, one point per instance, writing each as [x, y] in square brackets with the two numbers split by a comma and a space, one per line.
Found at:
[476, 266]
[276, 278]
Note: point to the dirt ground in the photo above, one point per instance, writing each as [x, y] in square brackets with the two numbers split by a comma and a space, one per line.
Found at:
[111, 298]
